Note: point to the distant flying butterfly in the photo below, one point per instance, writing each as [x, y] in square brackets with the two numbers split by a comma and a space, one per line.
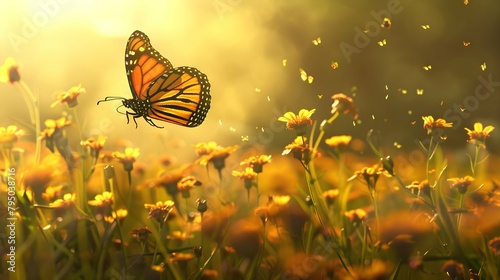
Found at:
[382, 43]
[159, 91]
[317, 41]
[386, 23]
[305, 77]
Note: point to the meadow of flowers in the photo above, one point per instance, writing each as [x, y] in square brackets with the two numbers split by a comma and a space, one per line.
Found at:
[88, 209]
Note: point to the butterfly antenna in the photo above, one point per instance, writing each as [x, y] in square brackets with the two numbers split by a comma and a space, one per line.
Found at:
[110, 98]
[119, 110]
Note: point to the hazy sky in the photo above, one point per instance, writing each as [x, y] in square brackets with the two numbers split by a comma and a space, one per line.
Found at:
[241, 45]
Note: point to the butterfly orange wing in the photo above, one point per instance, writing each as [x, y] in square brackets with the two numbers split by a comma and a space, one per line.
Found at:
[143, 63]
[180, 96]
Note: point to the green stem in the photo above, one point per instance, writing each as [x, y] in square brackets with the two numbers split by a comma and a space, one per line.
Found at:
[34, 111]
[476, 156]
[459, 219]
[429, 155]
[375, 209]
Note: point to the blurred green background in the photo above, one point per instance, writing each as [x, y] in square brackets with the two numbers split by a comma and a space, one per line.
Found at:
[241, 45]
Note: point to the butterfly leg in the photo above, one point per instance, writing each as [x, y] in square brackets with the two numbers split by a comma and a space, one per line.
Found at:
[151, 123]
[134, 116]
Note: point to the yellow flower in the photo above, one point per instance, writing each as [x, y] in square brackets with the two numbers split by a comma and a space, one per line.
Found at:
[461, 184]
[371, 175]
[299, 150]
[281, 199]
[181, 257]
[340, 142]
[202, 149]
[247, 174]
[186, 184]
[53, 126]
[128, 158]
[101, 200]
[356, 215]
[256, 162]
[9, 135]
[51, 192]
[95, 145]
[330, 196]
[9, 71]
[479, 134]
[344, 105]
[67, 200]
[420, 187]
[160, 210]
[69, 97]
[430, 123]
[119, 215]
[215, 154]
[180, 235]
[298, 122]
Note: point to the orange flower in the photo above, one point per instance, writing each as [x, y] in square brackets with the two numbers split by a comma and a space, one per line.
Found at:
[356, 215]
[371, 175]
[215, 154]
[257, 162]
[95, 145]
[344, 105]
[9, 71]
[9, 135]
[181, 257]
[119, 215]
[461, 184]
[160, 210]
[186, 184]
[141, 234]
[248, 175]
[51, 192]
[101, 200]
[453, 270]
[494, 245]
[299, 150]
[430, 123]
[67, 200]
[479, 134]
[340, 142]
[420, 187]
[298, 122]
[128, 158]
[202, 149]
[330, 196]
[69, 97]
[54, 126]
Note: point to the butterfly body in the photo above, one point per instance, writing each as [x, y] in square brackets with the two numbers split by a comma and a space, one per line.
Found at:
[177, 95]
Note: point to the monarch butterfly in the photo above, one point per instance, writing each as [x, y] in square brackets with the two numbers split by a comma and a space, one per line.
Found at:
[176, 95]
